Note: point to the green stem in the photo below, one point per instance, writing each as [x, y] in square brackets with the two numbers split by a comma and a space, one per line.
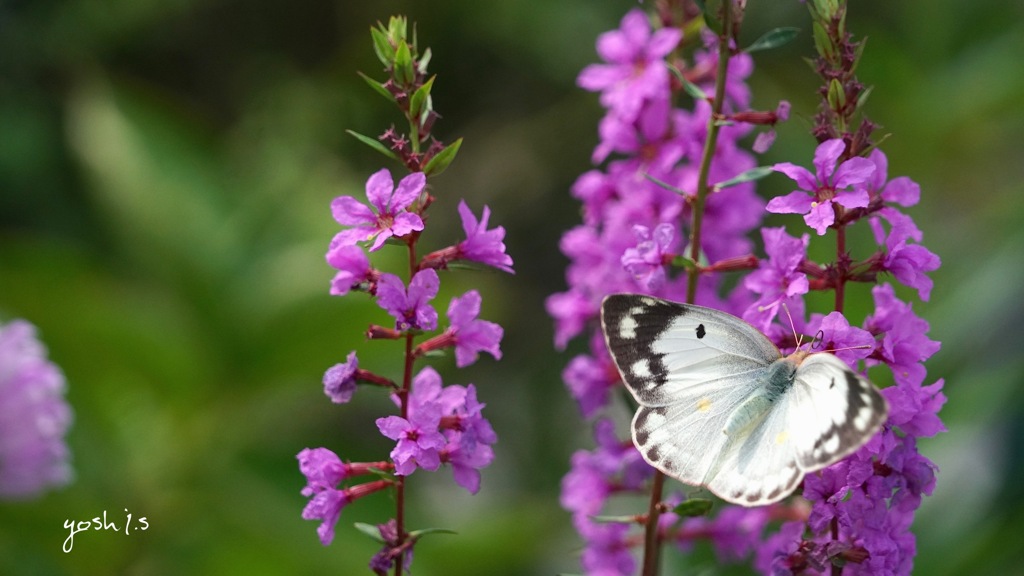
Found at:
[652, 543]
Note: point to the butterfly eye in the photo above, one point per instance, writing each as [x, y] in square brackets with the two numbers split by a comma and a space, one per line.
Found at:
[818, 340]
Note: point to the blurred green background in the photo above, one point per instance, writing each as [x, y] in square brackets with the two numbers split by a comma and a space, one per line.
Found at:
[166, 170]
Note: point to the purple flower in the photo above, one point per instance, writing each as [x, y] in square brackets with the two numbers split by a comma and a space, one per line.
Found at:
[390, 218]
[647, 261]
[418, 439]
[571, 310]
[322, 468]
[589, 381]
[471, 335]
[326, 506]
[904, 345]
[845, 184]
[482, 245]
[901, 190]
[34, 416]
[607, 548]
[915, 409]
[907, 262]
[849, 343]
[410, 307]
[779, 279]
[353, 268]
[635, 68]
[340, 380]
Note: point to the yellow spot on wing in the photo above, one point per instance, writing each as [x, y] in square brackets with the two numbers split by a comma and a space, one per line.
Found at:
[782, 437]
[704, 404]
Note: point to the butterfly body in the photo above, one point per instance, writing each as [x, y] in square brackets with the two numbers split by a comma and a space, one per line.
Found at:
[721, 407]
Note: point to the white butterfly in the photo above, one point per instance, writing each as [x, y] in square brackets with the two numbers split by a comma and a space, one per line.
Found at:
[721, 407]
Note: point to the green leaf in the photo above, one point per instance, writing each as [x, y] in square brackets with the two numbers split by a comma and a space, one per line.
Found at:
[377, 86]
[374, 143]
[403, 65]
[693, 507]
[773, 39]
[384, 50]
[442, 159]
[423, 61]
[693, 90]
[417, 534]
[420, 100]
[667, 186]
[615, 519]
[370, 530]
[748, 176]
[713, 24]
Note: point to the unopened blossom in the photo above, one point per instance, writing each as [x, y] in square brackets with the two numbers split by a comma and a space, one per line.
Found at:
[843, 183]
[34, 416]
[410, 307]
[388, 217]
[340, 380]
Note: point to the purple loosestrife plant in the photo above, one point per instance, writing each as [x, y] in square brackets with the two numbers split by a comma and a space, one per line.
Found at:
[34, 417]
[436, 426]
[674, 213]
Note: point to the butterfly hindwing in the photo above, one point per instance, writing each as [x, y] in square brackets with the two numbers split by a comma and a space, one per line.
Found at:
[844, 410]
[664, 348]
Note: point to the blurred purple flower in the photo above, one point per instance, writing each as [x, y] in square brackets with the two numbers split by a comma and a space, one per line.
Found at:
[34, 416]
[410, 307]
[845, 184]
[778, 279]
[390, 218]
[635, 69]
[326, 506]
[646, 262]
[904, 344]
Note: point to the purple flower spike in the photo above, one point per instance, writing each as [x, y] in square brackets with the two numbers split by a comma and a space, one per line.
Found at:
[411, 307]
[390, 219]
[635, 69]
[845, 184]
[472, 336]
[353, 268]
[340, 380]
[483, 245]
[33, 416]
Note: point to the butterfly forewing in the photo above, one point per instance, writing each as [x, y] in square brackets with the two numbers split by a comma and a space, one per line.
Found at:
[663, 348]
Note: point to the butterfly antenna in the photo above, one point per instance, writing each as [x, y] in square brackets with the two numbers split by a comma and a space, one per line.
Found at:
[798, 337]
[861, 347]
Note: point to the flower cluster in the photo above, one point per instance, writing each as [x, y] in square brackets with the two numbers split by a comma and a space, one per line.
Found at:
[436, 425]
[637, 215]
[34, 417]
